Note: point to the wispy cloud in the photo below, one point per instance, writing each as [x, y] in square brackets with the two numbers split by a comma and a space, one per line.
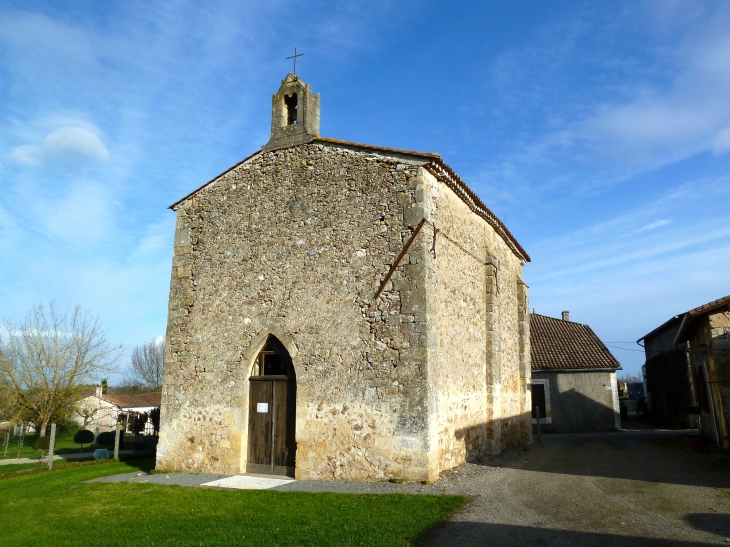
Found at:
[110, 116]
[653, 225]
[654, 107]
[69, 144]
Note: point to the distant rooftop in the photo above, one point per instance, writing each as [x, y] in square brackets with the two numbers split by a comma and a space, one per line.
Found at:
[556, 344]
[133, 401]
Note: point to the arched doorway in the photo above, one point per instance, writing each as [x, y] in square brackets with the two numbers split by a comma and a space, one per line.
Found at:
[272, 411]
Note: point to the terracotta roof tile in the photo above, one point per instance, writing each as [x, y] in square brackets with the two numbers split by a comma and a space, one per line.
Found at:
[725, 300]
[563, 345]
[133, 401]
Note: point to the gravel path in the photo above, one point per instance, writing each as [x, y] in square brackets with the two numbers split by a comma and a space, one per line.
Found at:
[624, 488]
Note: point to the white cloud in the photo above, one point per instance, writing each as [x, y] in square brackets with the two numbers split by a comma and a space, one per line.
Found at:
[668, 121]
[634, 110]
[71, 144]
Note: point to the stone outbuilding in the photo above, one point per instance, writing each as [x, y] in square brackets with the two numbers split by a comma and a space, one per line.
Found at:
[705, 333]
[341, 311]
[573, 377]
[668, 377]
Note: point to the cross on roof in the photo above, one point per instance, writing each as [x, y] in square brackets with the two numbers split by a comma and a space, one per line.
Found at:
[295, 59]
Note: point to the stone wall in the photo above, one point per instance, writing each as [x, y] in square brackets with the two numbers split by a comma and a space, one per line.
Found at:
[480, 368]
[710, 349]
[295, 243]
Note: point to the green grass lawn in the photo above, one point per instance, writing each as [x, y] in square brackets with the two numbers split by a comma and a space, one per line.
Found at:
[57, 508]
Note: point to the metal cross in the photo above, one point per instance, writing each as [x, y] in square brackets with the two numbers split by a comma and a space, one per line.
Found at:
[295, 59]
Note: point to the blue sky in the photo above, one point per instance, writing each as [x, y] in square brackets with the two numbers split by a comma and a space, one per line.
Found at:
[599, 132]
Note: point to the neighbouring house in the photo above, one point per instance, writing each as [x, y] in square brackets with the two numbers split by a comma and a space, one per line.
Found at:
[706, 332]
[106, 411]
[573, 377]
[668, 377]
[341, 311]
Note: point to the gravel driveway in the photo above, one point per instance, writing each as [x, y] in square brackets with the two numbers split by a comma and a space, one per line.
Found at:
[602, 489]
[622, 488]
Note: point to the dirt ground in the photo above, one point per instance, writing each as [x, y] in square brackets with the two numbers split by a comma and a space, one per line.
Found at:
[623, 488]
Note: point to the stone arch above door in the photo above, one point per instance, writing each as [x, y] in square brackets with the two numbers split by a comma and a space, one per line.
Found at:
[249, 356]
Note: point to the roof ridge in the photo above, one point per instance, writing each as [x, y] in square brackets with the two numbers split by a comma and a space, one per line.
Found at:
[560, 319]
[375, 147]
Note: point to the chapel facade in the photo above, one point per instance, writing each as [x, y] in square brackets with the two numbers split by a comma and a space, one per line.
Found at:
[341, 311]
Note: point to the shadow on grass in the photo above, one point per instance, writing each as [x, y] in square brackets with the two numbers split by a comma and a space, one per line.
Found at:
[134, 463]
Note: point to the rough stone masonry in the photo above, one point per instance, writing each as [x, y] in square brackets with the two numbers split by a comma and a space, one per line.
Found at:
[295, 242]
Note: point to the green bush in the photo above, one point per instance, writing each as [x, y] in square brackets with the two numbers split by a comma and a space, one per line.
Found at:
[84, 436]
[106, 438]
[155, 419]
[42, 443]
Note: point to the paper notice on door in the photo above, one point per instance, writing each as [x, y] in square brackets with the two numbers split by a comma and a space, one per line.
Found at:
[262, 408]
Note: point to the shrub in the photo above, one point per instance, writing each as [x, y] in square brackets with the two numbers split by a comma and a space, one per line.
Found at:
[155, 419]
[106, 438]
[42, 443]
[138, 423]
[83, 436]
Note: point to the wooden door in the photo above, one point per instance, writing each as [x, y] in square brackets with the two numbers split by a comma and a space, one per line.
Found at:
[284, 449]
[271, 425]
[259, 426]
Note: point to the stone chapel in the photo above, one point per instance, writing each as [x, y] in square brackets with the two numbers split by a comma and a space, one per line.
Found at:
[341, 311]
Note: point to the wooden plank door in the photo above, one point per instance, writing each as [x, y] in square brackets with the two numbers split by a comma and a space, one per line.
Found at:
[260, 423]
[271, 426]
[284, 445]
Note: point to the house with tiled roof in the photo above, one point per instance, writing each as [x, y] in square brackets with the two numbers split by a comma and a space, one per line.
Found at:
[573, 377]
[105, 411]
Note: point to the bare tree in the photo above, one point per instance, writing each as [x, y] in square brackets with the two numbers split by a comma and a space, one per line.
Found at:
[49, 357]
[147, 361]
[86, 410]
[629, 378]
